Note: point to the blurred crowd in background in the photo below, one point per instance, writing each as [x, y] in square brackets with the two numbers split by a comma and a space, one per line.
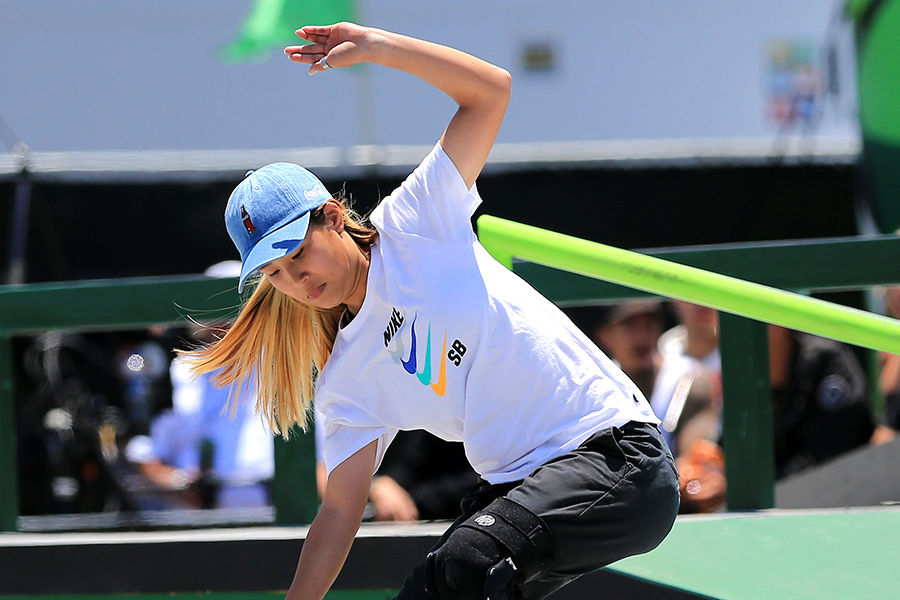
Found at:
[113, 421]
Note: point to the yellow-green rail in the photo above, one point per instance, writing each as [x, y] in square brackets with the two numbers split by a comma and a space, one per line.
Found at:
[737, 280]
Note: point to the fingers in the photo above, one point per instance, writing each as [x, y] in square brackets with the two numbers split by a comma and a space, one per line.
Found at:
[308, 53]
[315, 33]
[315, 50]
[316, 61]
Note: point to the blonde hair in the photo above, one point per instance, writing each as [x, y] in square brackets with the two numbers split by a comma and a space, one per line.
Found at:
[279, 342]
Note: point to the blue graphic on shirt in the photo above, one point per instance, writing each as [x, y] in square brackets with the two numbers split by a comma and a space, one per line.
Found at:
[410, 364]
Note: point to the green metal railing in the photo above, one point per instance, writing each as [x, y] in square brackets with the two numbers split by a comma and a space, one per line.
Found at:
[738, 280]
[798, 266]
[129, 304]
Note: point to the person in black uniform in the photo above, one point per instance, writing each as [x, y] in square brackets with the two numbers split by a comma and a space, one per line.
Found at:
[820, 400]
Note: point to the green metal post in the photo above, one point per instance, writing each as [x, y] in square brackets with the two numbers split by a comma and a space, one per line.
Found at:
[9, 500]
[748, 436]
[294, 491]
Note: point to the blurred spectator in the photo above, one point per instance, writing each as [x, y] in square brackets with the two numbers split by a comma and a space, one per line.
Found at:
[696, 335]
[201, 457]
[630, 334]
[200, 454]
[701, 476]
[78, 395]
[889, 378]
[819, 389]
[422, 478]
[682, 392]
[820, 400]
[693, 347]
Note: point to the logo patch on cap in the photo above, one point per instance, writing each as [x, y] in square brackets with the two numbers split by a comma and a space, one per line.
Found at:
[316, 190]
[245, 217]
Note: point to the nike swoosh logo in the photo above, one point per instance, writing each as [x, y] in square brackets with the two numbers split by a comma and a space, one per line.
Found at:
[425, 375]
[440, 388]
[410, 364]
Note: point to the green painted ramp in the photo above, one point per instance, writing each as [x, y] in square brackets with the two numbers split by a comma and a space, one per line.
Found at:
[779, 555]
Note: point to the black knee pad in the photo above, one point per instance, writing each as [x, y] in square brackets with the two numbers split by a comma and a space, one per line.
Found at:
[490, 554]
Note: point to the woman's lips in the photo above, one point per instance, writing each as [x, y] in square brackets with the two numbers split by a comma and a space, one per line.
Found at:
[316, 292]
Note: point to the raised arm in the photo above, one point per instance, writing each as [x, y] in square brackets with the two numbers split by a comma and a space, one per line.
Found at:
[479, 88]
[334, 528]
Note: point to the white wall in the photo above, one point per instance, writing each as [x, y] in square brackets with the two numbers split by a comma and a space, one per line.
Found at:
[91, 75]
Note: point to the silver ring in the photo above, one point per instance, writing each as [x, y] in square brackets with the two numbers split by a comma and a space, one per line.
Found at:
[324, 63]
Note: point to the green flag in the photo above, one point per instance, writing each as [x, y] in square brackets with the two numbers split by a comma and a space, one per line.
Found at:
[272, 23]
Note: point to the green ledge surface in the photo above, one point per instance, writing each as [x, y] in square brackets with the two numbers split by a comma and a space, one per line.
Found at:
[840, 554]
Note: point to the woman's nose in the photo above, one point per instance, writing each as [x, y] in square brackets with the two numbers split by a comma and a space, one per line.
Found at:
[297, 275]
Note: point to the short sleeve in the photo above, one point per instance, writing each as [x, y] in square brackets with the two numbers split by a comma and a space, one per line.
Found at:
[340, 442]
[433, 202]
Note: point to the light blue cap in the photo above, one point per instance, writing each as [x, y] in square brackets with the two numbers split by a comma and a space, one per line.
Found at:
[268, 213]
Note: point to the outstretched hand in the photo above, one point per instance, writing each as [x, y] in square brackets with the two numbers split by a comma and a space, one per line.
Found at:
[344, 45]
[480, 89]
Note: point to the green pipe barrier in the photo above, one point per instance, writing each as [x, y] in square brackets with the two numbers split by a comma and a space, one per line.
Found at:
[506, 239]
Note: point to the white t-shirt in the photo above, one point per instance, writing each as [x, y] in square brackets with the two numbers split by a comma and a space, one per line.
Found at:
[450, 341]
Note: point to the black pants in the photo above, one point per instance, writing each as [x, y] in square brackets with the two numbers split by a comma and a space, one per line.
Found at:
[614, 496]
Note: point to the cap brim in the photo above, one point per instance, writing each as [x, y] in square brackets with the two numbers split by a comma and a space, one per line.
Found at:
[274, 246]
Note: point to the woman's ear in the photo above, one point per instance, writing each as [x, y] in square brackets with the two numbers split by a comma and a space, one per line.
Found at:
[334, 216]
